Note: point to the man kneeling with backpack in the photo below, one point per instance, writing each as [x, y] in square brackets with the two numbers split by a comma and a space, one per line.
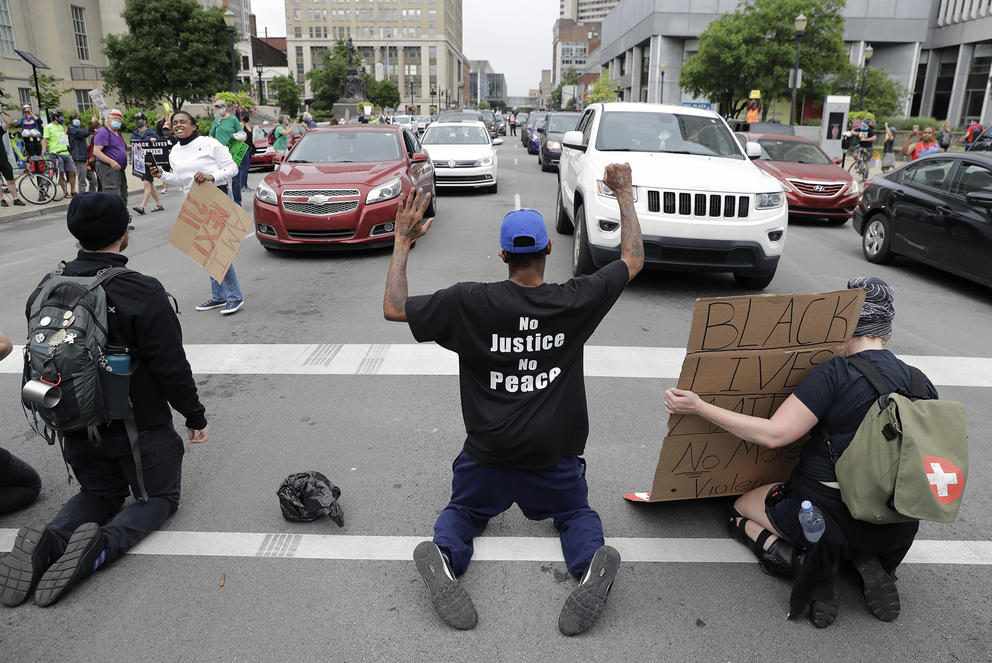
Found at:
[92, 324]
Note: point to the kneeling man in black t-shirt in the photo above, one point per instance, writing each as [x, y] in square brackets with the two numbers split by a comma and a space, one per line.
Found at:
[519, 344]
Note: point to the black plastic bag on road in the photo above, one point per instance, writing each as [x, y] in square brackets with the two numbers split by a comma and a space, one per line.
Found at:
[307, 496]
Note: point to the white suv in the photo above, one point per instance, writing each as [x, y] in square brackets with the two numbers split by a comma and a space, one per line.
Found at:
[702, 204]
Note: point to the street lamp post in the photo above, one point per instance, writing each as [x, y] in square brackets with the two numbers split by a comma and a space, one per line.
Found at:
[412, 100]
[433, 92]
[869, 51]
[261, 93]
[229, 19]
[661, 85]
[800, 26]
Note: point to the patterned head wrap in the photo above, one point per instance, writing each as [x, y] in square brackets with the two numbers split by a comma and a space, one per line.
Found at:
[877, 313]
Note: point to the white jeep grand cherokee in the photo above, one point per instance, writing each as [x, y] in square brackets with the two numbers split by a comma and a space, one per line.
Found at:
[702, 204]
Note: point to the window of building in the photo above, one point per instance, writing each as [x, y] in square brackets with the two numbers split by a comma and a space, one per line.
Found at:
[431, 14]
[6, 29]
[245, 63]
[79, 28]
[24, 95]
[83, 101]
[298, 32]
[297, 15]
[974, 93]
[432, 31]
[300, 73]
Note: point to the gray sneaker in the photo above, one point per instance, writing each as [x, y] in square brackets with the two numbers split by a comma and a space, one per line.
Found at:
[586, 602]
[232, 307]
[449, 598]
[211, 304]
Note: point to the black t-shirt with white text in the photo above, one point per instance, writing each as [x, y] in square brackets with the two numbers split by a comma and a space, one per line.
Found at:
[520, 366]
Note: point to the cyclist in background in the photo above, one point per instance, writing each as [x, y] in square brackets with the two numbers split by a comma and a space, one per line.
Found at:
[7, 170]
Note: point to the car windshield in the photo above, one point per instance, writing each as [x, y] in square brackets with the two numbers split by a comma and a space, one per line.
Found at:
[632, 131]
[344, 146]
[423, 118]
[258, 133]
[452, 135]
[559, 124]
[522, 118]
[460, 117]
[794, 151]
[488, 116]
[403, 119]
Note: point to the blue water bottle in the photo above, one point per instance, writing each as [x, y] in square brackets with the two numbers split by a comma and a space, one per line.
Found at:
[116, 384]
[811, 520]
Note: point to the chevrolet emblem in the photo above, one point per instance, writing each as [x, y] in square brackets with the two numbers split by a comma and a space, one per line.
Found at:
[451, 164]
[318, 199]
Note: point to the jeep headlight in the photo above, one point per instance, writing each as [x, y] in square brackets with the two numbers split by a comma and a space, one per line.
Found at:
[386, 191]
[769, 200]
[554, 145]
[484, 161]
[266, 194]
[605, 191]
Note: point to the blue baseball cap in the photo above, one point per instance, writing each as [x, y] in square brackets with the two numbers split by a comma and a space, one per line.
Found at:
[523, 231]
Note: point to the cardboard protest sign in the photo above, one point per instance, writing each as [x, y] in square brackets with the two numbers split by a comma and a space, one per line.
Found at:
[746, 354]
[97, 98]
[149, 152]
[210, 229]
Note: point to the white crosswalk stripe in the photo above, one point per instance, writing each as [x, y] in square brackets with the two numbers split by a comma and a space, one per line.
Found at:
[490, 548]
[603, 361]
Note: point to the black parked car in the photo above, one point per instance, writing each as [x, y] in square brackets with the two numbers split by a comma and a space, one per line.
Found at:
[937, 210]
[555, 126]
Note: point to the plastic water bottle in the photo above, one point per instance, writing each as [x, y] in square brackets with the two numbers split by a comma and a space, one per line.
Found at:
[811, 520]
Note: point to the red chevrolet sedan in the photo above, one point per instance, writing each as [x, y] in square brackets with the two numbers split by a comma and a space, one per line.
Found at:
[814, 185]
[339, 188]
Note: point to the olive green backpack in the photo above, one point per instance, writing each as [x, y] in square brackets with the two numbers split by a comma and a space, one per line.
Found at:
[909, 457]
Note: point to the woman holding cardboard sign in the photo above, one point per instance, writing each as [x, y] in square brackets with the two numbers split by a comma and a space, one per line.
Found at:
[835, 395]
[197, 158]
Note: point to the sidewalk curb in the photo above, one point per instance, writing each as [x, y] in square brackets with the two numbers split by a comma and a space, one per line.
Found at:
[49, 208]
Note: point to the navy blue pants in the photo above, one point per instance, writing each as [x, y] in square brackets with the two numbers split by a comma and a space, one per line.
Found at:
[478, 493]
[106, 474]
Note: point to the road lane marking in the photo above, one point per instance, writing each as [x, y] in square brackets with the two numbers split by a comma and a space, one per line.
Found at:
[514, 161]
[490, 548]
[516, 201]
[602, 361]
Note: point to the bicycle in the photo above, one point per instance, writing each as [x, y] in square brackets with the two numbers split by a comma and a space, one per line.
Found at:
[861, 162]
[33, 184]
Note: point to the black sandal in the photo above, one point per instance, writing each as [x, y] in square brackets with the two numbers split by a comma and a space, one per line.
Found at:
[140, 210]
[158, 208]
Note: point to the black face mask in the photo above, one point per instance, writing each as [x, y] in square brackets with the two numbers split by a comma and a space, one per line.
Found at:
[186, 140]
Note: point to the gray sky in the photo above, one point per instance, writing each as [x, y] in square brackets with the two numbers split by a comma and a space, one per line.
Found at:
[514, 35]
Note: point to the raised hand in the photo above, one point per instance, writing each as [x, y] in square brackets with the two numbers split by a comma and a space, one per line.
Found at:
[618, 178]
[410, 225]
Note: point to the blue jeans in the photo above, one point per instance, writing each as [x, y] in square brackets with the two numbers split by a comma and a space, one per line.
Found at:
[227, 290]
[478, 493]
[244, 168]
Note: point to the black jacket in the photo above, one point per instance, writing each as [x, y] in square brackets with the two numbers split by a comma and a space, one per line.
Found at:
[77, 142]
[140, 316]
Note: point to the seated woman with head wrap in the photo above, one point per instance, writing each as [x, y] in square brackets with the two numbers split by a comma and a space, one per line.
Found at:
[836, 396]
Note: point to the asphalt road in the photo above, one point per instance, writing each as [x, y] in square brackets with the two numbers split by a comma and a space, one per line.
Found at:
[388, 441]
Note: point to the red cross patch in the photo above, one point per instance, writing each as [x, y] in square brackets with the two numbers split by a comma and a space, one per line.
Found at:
[945, 478]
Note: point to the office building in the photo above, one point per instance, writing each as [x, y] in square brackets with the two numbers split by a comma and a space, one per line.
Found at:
[586, 10]
[940, 51]
[486, 84]
[572, 42]
[416, 44]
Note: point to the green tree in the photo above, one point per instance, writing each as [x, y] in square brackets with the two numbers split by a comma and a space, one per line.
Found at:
[754, 47]
[287, 93]
[883, 96]
[483, 104]
[383, 94]
[173, 49]
[571, 77]
[325, 79]
[244, 100]
[51, 94]
[601, 90]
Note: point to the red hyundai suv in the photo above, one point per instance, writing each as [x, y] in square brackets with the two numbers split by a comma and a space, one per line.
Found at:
[339, 187]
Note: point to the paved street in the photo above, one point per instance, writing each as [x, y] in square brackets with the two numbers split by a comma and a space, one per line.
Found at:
[308, 375]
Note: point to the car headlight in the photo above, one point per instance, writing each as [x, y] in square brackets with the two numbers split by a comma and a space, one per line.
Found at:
[854, 187]
[769, 200]
[266, 194]
[386, 191]
[554, 145]
[484, 161]
[607, 192]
